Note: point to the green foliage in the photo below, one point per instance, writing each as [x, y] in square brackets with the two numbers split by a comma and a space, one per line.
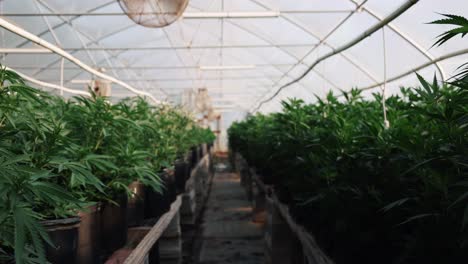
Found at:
[461, 24]
[455, 20]
[372, 194]
[201, 135]
[29, 178]
[357, 185]
[57, 156]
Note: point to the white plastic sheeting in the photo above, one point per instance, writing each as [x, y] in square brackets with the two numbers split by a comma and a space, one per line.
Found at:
[277, 39]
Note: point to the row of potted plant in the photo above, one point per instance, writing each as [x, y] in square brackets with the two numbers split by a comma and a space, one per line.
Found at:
[63, 160]
[371, 191]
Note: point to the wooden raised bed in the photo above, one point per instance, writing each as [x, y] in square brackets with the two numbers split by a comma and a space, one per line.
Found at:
[141, 253]
[285, 240]
[162, 242]
[196, 191]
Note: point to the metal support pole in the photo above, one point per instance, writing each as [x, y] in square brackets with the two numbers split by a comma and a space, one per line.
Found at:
[61, 75]
[384, 86]
[218, 131]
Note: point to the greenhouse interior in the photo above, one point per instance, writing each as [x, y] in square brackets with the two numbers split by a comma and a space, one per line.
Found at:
[242, 132]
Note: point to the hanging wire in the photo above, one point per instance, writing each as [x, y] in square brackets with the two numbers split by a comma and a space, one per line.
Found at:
[342, 48]
[202, 55]
[384, 86]
[221, 53]
[183, 37]
[57, 41]
[62, 63]
[46, 21]
[2, 32]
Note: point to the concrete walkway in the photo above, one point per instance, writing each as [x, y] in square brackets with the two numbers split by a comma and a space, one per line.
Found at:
[228, 234]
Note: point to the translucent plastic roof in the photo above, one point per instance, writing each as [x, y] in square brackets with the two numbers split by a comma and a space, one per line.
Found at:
[261, 45]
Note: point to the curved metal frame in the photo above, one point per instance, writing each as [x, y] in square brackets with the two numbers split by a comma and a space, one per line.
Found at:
[420, 67]
[78, 33]
[284, 15]
[125, 28]
[346, 46]
[21, 32]
[128, 27]
[406, 38]
[322, 41]
[49, 85]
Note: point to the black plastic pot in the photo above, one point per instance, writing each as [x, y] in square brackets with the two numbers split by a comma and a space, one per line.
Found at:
[188, 157]
[210, 160]
[89, 234]
[210, 146]
[136, 204]
[204, 148]
[156, 204]
[64, 235]
[283, 194]
[114, 225]
[181, 173]
[267, 176]
[200, 152]
[193, 157]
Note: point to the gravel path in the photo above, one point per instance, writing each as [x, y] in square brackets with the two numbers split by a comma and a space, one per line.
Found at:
[228, 233]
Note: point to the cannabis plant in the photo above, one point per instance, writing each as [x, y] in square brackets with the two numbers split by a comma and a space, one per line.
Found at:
[369, 193]
[28, 178]
[58, 156]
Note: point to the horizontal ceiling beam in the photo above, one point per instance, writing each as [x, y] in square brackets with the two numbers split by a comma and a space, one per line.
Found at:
[418, 68]
[41, 50]
[65, 55]
[186, 15]
[187, 47]
[179, 79]
[382, 23]
[24, 51]
[324, 11]
[50, 85]
[237, 90]
[217, 87]
[221, 111]
[217, 15]
[227, 67]
[147, 67]
[236, 80]
[230, 98]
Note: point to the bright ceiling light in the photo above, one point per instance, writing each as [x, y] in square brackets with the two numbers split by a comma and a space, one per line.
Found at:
[76, 81]
[265, 14]
[81, 81]
[24, 50]
[231, 106]
[229, 98]
[227, 67]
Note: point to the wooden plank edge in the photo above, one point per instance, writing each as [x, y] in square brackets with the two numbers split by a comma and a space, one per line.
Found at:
[139, 254]
[195, 170]
[263, 187]
[311, 249]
